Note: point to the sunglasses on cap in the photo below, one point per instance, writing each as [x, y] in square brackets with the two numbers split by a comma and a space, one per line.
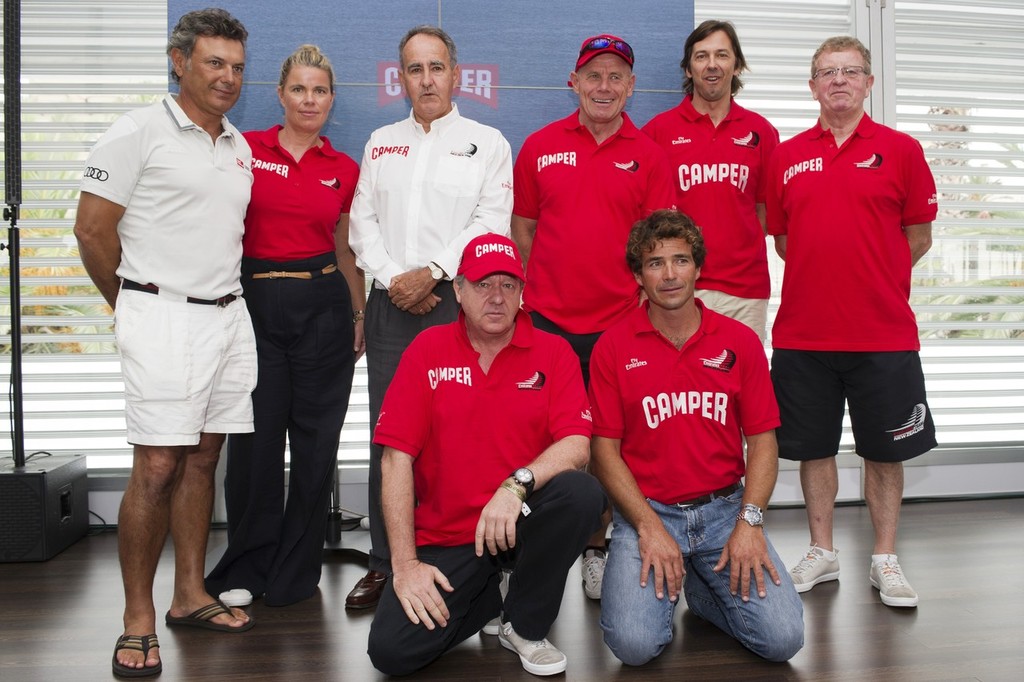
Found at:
[603, 43]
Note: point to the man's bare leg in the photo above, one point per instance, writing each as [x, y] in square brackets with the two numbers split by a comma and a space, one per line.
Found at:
[883, 491]
[191, 509]
[819, 480]
[142, 530]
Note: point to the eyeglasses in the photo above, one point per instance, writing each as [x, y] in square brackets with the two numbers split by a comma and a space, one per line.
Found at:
[849, 72]
[620, 46]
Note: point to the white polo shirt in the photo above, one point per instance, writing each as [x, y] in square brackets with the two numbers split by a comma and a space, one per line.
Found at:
[185, 199]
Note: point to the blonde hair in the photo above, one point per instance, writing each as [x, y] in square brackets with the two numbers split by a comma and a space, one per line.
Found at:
[307, 55]
[841, 44]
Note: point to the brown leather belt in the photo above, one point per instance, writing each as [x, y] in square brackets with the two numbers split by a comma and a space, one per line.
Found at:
[704, 499]
[154, 289]
[305, 274]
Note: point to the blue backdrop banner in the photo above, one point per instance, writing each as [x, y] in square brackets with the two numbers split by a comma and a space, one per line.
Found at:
[515, 56]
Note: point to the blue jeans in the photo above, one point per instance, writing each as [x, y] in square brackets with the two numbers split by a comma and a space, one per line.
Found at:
[638, 626]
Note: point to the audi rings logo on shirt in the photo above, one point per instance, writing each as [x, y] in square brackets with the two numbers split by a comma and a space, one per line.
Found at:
[96, 174]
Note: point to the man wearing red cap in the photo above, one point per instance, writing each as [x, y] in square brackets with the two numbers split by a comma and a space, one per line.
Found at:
[485, 428]
[579, 185]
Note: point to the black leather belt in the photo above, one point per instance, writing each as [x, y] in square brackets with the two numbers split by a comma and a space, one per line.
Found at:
[704, 499]
[154, 289]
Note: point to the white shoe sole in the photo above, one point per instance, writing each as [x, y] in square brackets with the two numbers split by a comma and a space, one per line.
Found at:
[492, 628]
[823, 578]
[904, 602]
[532, 668]
[590, 593]
[238, 597]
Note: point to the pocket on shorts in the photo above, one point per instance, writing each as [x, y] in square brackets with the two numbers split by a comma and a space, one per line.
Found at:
[153, 347]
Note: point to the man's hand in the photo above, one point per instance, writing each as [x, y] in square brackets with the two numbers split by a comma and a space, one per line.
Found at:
[410, 288]
[415, 586]
[425, 306]
[497, 525]
[746, 552]
[659, 551]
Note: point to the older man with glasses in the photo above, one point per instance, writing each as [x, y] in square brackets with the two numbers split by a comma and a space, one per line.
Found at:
[580, 184]
[851, 204]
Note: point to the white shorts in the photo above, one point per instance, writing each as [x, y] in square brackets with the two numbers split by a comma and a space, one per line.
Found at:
[752, 312]
[188, 368]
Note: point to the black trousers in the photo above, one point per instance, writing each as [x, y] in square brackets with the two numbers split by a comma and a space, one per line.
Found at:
[389, 331]
[304, 337]
[565, 512]
[582, 344]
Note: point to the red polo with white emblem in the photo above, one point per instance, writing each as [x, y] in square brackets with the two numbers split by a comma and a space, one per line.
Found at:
[585, 198]
[847, 279]
[468, 430]
[681, 414]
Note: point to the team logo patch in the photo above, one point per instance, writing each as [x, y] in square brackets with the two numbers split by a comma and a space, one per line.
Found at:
[750, 140]
[682, 140]
[634, 363]
[96, 174]
[873, 161]
[534, 383]
[723, 362]
[630, 166]
[332, 183]
[585, 414]
[467, 152]
[914, 423]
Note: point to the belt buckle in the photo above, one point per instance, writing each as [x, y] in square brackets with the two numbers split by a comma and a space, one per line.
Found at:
[277, 274]
[224, 301]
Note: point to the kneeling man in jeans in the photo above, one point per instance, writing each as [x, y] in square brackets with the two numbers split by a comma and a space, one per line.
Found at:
[485, 428]
[675, 388]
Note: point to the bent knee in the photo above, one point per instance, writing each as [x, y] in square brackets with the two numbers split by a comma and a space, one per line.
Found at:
[633, 650]
[782, 646]
[390, 659]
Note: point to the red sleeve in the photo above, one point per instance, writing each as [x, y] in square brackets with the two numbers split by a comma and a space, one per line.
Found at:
[661, 191]
[776, 217]
[524, 183]
[569, 411]
[605, 396]
[349, 171]
[921, 205]
[769, 141]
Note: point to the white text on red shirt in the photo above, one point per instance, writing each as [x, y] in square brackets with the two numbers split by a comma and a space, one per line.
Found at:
[800, 167]
[736, 174]
[707, 404]
[279, 168]
[567, 158]
[460, 375]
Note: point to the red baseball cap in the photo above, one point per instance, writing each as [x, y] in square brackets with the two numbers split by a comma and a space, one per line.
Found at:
[602, 43]
[490, 253]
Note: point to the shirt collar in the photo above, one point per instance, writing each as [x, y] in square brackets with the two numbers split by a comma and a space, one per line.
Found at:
[183, 122]
[269, 138]
[522, 336]
[627, 129]
[865, 128]
[640, 320]
[690, 113]
[440, 124]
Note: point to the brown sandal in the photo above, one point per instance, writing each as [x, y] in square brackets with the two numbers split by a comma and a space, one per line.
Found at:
[141, 643]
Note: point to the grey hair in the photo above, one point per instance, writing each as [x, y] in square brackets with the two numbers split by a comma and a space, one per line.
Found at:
[212, 23]
[428, 30]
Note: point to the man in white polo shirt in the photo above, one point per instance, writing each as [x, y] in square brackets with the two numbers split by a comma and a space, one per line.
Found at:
[159, 228]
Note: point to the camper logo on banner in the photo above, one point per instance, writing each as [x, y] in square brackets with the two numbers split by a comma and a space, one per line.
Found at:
[479, 82]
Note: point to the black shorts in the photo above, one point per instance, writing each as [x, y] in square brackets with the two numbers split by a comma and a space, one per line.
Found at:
[886, 397]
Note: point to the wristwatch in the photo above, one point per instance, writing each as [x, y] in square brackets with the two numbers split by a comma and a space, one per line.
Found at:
[752, 514]
[435, 270]
[524, 477]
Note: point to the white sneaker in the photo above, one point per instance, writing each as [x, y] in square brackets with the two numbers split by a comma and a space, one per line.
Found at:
[494, 624]
[538, 658]
[593, 574]
[814, 568]
[892, 585]
[236, 597]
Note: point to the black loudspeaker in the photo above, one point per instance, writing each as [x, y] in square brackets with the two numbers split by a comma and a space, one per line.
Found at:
[44, 507]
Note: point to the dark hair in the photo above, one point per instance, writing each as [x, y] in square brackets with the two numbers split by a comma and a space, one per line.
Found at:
[428, 30]
[660, 225]
[212, 23]
[700, 33]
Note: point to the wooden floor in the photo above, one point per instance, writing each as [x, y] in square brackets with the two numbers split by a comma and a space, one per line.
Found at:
[59, 619]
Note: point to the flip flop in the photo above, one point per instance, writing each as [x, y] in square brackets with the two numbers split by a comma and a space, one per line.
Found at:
[203, 618]
[141, 643]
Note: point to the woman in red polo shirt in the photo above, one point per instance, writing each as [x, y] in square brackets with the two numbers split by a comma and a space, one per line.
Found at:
[305, 295]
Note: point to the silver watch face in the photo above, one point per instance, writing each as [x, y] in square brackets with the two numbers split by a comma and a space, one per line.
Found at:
[435, 271]
[753, 516]
[524, 476]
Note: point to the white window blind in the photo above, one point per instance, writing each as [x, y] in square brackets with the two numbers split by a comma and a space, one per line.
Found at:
[958, 81]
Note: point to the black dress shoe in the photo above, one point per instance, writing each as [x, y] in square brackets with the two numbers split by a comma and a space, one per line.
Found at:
[367, 591]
